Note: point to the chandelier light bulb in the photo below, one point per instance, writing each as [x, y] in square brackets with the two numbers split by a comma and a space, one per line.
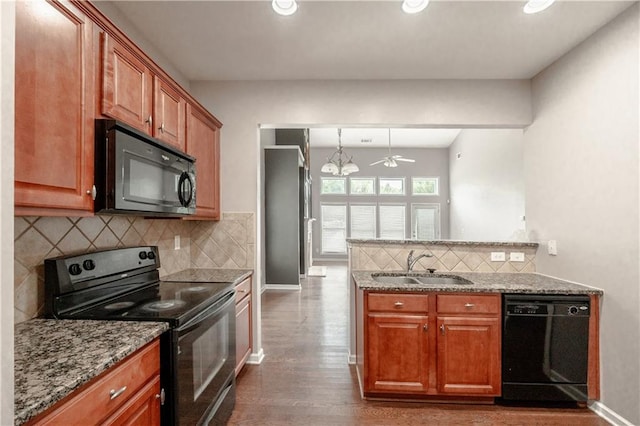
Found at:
[535, 6]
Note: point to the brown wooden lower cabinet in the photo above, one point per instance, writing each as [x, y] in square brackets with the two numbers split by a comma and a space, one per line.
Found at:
[429, 344]
[243, 323]
[135, 382]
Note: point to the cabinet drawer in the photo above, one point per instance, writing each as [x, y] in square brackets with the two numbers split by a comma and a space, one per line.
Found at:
[468, 304]
[94, 402]
[243, 289]
[398, 302]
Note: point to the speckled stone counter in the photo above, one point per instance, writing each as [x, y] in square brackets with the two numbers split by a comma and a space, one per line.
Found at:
[213, 275]
[524, 283]
[444, 242]
[55, 357]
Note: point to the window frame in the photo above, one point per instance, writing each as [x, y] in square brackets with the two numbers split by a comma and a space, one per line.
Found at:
[375, 219]
[326, 178]
[371, 194]
[438, 219]
[437, 185]
[346, 228]
[404, 219]
[401, 179]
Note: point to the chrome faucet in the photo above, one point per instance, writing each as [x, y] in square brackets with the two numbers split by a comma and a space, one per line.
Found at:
[412, 260]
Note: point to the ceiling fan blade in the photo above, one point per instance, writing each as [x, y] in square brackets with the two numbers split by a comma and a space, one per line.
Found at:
[378, 162]
[406, 160]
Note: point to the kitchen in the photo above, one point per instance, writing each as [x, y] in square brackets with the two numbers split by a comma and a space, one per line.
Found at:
[559, 177]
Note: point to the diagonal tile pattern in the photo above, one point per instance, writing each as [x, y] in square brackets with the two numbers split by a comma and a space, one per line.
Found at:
[228, 243]
[445, 257]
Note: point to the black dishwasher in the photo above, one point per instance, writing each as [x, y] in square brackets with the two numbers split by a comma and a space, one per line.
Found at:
[545, 341]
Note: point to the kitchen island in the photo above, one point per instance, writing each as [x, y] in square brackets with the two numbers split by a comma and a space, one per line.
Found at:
[53, 358]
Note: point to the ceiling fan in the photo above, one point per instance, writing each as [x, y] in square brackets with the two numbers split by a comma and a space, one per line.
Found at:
[392, 160]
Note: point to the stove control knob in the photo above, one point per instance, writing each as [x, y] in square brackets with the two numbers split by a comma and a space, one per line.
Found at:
[151, 255]
[142, 255]
[89, 264]
[573, 310]
[75, 269]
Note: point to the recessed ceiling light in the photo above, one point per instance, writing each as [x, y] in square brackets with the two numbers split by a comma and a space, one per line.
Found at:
[414, 6]
[284, 7]
[535, 6]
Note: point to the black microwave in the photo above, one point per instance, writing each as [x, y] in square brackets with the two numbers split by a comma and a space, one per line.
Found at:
[136, 174]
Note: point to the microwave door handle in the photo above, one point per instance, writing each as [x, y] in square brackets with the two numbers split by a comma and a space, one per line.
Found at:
[185, 180]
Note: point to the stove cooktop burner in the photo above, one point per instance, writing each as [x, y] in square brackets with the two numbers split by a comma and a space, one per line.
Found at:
[119, 305]
[164, 305]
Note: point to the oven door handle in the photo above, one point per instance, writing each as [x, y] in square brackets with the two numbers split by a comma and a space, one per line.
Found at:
[220, 306]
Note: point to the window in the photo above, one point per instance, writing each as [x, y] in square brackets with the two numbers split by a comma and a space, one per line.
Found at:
[392, 221]
[363, 221]
[362, 186]
[425, 221]
[391, 186]
[424, 186]
[334, 228]
[333, 185]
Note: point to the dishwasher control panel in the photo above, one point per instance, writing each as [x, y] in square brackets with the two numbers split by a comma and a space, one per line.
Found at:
[547, 309]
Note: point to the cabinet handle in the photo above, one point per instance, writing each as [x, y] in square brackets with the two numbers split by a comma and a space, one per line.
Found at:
[93, 192]
[242, 291]
[160, 396]
[116, 393]
[161, 128]
[425, 327]
[469, 305]
[398, 304]
[442, 329]
[149, 121]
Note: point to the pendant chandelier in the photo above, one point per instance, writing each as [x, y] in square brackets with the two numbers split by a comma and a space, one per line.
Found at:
[339, 164]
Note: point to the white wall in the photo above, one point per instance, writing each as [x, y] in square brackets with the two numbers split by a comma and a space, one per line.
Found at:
[486, 185]
[243, 105]
[582, 189]
[7, 72]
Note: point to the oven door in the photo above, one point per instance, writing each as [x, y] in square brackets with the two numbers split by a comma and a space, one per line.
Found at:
[205, 379]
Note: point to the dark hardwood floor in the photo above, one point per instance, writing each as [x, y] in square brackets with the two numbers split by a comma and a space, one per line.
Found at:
[305, 379]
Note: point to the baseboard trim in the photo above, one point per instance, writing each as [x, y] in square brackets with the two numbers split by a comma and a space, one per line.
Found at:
[608, 414]
[351, 359]
[287, 287]
[256, 358]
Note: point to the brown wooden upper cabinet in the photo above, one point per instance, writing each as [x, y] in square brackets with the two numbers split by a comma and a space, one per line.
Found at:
[54, 98]
[133, 94]
[203, 143]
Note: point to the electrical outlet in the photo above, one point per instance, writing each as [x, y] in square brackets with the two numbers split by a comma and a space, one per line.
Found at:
[516, 256]
[176, 242]
[498, 256]
[552, 247]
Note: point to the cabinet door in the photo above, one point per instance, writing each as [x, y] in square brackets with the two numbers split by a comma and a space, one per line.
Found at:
[142, 409]
[54, 98]
[203, 143]
[469, 356]
[168, 115]
[397, 354]
[126, 86]
[243, 332]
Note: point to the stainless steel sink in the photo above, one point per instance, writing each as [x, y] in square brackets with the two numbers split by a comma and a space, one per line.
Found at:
[419, 279]
[395, 279]
[443, 280]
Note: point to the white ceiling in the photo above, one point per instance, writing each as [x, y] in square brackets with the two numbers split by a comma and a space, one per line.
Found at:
[379, 137]
[246, 40]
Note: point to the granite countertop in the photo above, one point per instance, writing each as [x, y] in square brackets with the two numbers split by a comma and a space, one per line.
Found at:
[55, 357]
[210, 275]
[481, 282]
[444, 242]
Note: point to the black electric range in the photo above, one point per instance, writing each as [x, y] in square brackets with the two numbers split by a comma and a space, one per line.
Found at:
[197, 353]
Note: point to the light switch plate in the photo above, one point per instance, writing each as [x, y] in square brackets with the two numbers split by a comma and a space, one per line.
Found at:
[516, 256]
[552, 247]
[176, 242]
[498, 256]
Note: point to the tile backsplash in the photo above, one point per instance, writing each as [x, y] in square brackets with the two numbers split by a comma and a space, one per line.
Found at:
[453, 257]
[227, 243]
